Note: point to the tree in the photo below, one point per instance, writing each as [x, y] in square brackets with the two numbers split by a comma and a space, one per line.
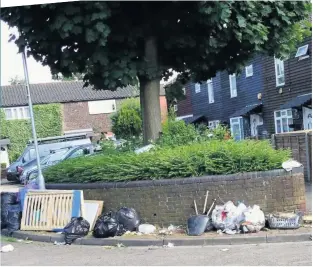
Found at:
[127, 121]
[16, 80]
[73, 77]
[116, 43]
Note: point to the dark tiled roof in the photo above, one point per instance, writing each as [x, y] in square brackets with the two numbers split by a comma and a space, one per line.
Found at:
[246, 110]
[61, 92]
[298, 101]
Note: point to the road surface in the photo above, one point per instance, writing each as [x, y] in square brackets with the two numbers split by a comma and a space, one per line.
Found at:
[283, 254]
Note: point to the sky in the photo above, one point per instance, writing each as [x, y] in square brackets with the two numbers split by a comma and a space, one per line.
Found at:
[12, 65]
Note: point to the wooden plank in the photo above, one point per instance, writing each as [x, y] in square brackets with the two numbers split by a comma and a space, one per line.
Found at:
[91, 218]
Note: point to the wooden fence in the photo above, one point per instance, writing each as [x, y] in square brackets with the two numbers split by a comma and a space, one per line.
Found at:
[300, 143]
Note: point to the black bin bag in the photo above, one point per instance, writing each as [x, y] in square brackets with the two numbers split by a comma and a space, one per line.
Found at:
[196, 225]
[106, 226]
[7, 199]
[14, 218]
[128, 218]
[78, 227]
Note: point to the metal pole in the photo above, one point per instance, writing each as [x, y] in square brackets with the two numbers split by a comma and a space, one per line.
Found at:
[40, 178]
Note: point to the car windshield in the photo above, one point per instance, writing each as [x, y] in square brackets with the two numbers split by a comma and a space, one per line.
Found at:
[55, 157]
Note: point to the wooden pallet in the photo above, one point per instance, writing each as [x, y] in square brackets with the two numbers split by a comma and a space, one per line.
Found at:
[51, 210]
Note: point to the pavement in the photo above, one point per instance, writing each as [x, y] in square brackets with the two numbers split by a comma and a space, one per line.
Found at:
[46, 254]
[7, 186]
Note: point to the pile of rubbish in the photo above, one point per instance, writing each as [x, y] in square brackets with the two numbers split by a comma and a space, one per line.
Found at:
[229, 219]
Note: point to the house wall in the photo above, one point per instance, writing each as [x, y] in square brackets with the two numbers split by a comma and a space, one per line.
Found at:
[171, 201]
[298, 81]
[76, 116]
[185, 106]
[224, 106]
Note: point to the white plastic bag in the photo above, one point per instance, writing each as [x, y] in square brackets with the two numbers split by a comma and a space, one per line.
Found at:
[254, 219]
[146, 229]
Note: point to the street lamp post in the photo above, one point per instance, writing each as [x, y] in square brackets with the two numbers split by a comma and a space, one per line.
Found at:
[40, 178]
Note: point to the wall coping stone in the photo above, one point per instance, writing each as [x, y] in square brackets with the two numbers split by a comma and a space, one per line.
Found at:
[175, 181]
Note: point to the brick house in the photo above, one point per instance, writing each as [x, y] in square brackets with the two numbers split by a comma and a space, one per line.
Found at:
[82, 108]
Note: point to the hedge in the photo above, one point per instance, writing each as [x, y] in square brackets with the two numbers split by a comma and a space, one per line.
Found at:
[209, 158]
[48, 121]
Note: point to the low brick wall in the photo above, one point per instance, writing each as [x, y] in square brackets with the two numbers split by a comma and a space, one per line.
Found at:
[165, 202]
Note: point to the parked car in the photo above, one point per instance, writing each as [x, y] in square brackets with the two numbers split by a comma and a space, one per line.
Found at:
[59, 156]
[45, 147]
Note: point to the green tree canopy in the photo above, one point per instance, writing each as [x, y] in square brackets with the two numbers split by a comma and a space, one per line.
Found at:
[127, 121]
[73, 77]
[115, 43]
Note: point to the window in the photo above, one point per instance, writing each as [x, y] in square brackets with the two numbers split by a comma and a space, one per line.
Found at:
[184, 91]
[236, 127]
[210, 91]
[16, 113]
[283, 118]
[302, 51]
[249, 70]
[213, 124]
[233, 85]
[175, 107]
[279, 72]
[77, 153]
[197, 88]
[101, 107]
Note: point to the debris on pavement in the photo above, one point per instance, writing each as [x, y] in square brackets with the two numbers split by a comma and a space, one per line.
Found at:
[58, 243]
[290, 164]
[146, 229]
[7, 248]
[169, 245]
[78, 227]
[224, 249]
[284, 220]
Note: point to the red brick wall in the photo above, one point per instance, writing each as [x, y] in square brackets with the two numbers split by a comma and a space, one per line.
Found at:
[76, 116]
[163, 104]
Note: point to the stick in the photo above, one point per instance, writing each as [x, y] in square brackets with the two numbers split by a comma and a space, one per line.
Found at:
[211, 207]
[205, 202]
[194, 201]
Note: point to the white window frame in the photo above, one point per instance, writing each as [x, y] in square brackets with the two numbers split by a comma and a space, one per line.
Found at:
[233, 91]
[280, 62]
[210, 91]
[240, 128]
[281, 117]
[197, 88]
[304, 51]
[175, 107]
[249, 71]
[213, 124]
[17, 113]
[101, 106]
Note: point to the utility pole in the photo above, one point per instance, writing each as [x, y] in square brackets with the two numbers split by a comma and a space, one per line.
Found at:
[40, 178]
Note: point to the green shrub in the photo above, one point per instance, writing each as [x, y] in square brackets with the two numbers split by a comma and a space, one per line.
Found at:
[48, 123]
[197, 159]
[127, 122]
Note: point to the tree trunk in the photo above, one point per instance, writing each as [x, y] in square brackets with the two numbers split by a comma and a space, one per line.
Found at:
[150, 96]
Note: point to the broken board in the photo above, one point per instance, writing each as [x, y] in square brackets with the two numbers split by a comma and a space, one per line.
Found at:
[93, 209]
